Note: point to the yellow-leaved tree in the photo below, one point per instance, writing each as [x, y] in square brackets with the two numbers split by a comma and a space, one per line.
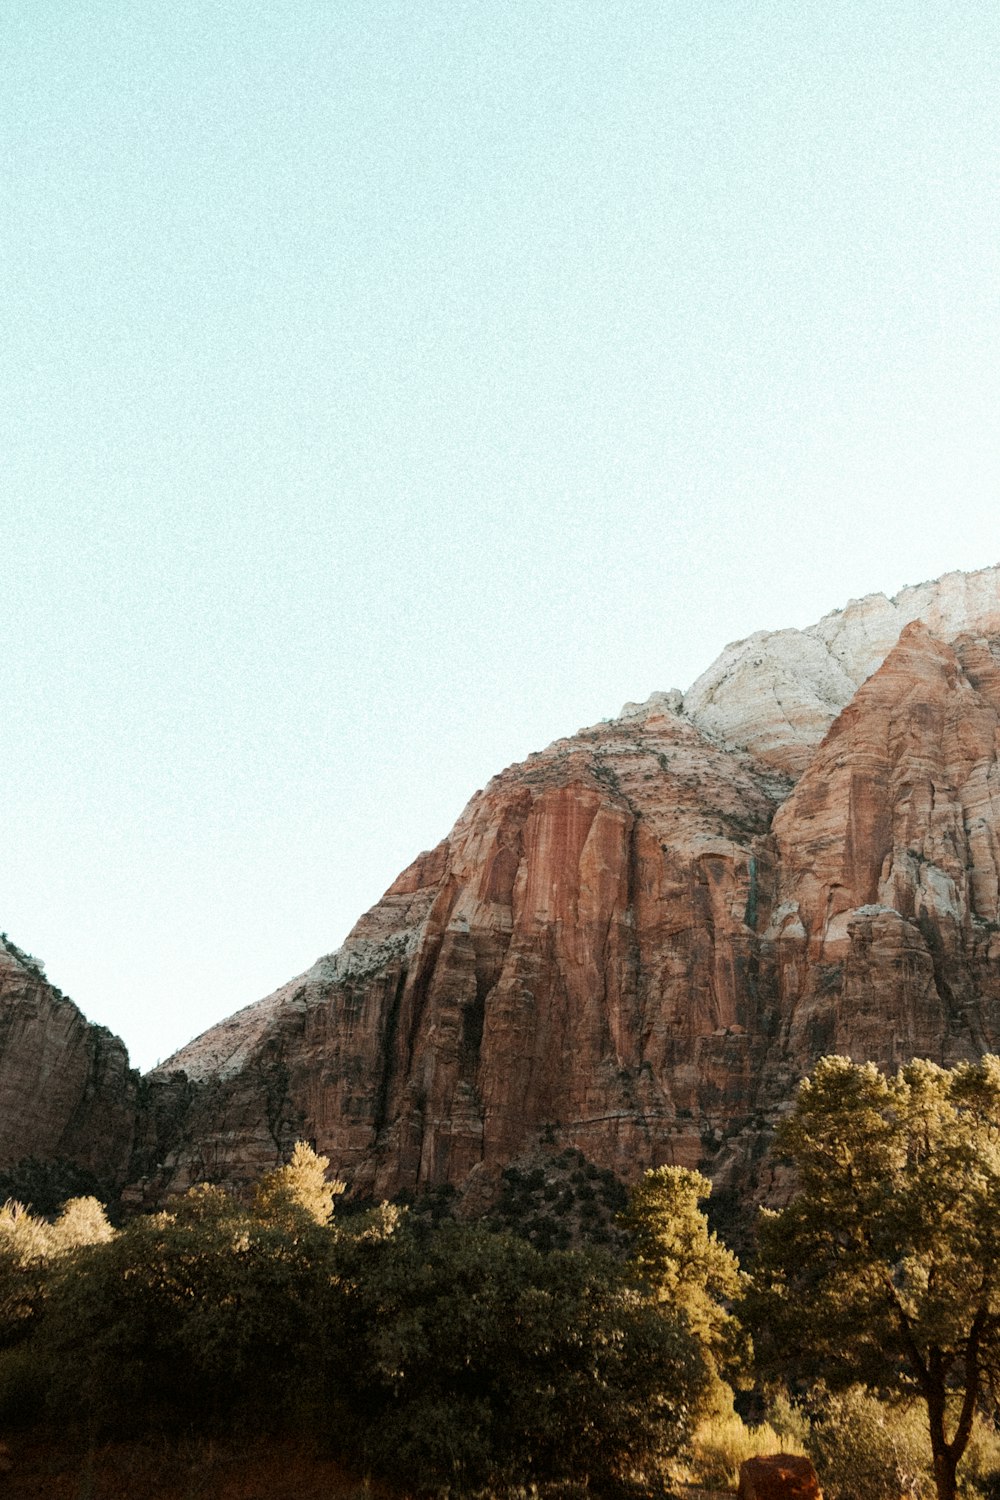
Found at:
[298, 1192]
[684, 1264]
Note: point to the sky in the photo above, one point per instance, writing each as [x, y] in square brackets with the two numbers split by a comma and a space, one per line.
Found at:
[387, 390]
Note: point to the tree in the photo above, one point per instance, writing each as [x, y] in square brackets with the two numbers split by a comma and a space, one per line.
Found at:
[884, 1268]
[470, 1361]
[82, 1221]
[863, 1446]
[30, 1248]
[298, 1191]
[203, 1318]
[24, 1250]
[683, 1264]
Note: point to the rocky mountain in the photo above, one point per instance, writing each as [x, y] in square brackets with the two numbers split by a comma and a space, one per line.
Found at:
[777, 692]
[635, 942]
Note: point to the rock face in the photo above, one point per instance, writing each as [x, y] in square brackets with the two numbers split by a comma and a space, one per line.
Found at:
[777, 692]
[640, 939]
[885, 932]
[570, 962]
[67, 1092]
[635, 943]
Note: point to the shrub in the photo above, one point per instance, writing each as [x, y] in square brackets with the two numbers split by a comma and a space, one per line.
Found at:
[865, 1449]
[442, 1357]
[981, 1476]
[203, 1317]
[723, 1441]
[30, 1249]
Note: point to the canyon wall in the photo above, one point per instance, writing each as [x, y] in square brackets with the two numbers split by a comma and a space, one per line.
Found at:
[640, 939]
[570, 962]
[777, 692]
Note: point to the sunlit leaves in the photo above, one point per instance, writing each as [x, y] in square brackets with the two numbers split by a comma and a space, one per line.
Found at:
[685, 1265]
[884, 1267]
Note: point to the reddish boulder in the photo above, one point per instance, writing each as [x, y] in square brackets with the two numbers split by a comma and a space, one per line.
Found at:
[778, 1476]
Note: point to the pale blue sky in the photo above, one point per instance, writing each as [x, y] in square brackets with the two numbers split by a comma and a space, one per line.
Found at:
[388, 389]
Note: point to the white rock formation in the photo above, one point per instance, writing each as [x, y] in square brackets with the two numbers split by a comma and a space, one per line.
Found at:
[777, 692]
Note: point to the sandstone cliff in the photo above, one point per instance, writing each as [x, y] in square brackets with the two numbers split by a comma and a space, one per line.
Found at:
[777, 692]
[637, 941]
[883, 941]
[67, 1094]
[571, 960]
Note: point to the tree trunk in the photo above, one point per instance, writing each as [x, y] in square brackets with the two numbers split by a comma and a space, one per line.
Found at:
[945, 1467]
[945, 1456]
[945, 1452]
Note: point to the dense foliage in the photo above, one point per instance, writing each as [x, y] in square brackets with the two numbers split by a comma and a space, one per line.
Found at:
[884, 1268]
[450, 1356]
[473, 1356]
[445, 1355]
[684, 1265]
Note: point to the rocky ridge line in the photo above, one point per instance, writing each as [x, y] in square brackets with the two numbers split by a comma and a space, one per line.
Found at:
[777, 692]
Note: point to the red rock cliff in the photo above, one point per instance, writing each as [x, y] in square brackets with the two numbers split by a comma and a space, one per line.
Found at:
[571, 961]
[636, 942]
[614, 948]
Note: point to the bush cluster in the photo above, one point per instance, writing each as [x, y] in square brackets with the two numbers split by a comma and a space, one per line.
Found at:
[449, 1356]
[562, 1201]
[470, 1358]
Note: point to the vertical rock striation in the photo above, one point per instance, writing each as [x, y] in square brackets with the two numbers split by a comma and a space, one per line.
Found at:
[570, 962]
[884, 934]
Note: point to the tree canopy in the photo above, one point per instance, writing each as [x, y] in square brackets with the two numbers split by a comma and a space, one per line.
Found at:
[685, 1266]
[443, 1357]
[885, 1266]
[298, 1191]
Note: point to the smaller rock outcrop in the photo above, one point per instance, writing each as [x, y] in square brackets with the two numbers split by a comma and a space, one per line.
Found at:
[69, 1095]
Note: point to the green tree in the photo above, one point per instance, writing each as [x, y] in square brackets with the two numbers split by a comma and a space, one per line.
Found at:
[866, 1449]
[884, 1269]
[470, 1360]
[683, 1264]
[30, 1247]
[24, 1251]
[203, 1318]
